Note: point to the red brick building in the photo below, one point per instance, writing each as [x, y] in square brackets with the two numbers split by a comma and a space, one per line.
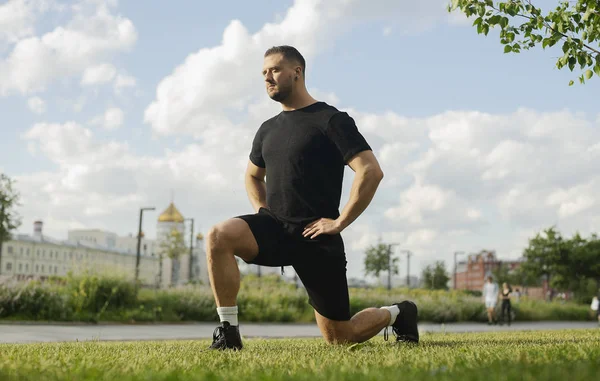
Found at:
[471, 274]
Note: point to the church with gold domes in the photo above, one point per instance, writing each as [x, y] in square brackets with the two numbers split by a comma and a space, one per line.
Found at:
[176, 266]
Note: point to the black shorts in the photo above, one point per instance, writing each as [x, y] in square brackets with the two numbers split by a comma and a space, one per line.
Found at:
[320, 262]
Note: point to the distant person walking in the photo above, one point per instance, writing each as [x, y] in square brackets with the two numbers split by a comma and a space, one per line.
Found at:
[506, 307]
[490, 296]
[595, 306]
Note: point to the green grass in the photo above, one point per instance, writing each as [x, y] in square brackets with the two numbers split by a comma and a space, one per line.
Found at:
[555, 355]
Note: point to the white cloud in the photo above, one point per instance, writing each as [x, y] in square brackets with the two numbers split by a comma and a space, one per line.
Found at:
[214, 81]
[112, 119]
[387, 31]
[17, 18]
[92, 173]
[98, 74]
[93, 34]
[124, 81]
[36, 105]
[574, 200]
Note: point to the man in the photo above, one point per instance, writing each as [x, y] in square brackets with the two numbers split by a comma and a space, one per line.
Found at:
[303, 151]
[490, 295]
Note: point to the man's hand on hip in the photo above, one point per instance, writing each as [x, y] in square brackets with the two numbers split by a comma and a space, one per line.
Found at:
[322, 226]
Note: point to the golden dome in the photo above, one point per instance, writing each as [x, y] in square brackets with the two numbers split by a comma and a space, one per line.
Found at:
[199, 237]
[171, 214]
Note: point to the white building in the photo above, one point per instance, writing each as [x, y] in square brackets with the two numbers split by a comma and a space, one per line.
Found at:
[39, 256]
[129, 244]
[93, 236]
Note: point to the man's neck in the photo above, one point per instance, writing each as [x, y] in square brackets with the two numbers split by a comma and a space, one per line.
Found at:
[298, 102]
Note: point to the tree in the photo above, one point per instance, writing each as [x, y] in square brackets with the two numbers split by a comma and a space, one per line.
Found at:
[523, 26]
[435, 276]
[173, 246]
[504, 274]
[525, 278]
[546, 257]
[591, 257]
[378, 259]
[9, 219]
[584, 261]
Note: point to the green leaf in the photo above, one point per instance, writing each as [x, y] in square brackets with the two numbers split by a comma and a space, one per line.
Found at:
[581, 58]
[597, 70]
[588, 74]
[545, 43]
[507, 49]
[571, 82]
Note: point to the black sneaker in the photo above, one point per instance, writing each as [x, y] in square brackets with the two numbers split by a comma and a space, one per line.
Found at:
[226, 337]
[405, 326]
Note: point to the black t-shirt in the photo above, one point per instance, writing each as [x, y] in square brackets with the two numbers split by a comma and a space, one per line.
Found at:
[304, 152]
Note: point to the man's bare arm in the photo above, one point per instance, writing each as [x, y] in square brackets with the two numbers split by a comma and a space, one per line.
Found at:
[368, 175]
[256, 187]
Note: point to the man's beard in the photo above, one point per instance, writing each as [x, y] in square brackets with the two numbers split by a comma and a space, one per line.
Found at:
[281, 94]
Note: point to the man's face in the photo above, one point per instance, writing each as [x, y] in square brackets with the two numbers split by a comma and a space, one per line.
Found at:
[279, 77]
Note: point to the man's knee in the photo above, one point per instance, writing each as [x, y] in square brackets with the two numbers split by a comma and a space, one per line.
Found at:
[340, 336]
[232, 235]
[336, 332]
[217, 238]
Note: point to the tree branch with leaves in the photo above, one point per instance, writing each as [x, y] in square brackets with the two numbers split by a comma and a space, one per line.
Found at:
[523, 26]
[9, 218]
[173, 247]
[379, 259]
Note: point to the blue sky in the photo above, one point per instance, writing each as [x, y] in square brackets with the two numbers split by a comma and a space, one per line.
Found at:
[480, 148]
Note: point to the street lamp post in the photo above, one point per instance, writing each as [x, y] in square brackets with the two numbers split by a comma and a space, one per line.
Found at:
[191, 268]
[139, 242]
[408, 255]
[456, 253]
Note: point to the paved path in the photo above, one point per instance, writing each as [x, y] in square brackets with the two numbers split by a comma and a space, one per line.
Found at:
[31, 333]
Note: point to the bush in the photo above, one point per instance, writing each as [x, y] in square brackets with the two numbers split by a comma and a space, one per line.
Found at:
[90, 295]
[96, 298]
[34, 301]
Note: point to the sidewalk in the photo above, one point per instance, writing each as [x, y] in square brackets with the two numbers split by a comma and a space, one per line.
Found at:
[34, 333]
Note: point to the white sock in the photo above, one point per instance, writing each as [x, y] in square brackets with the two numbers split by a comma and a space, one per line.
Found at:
[228, 314]
[394, 311]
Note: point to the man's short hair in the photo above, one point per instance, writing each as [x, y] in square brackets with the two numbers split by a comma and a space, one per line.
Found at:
[289, 53]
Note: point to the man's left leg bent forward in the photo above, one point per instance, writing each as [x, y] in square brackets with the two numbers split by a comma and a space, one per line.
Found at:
[327, 287]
